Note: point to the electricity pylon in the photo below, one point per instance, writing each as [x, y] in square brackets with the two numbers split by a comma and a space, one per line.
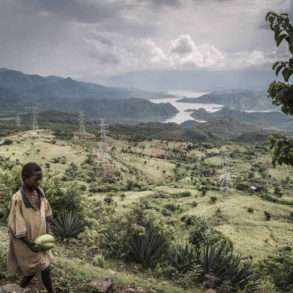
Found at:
[82, 129]
[226, 178]
[18, 121]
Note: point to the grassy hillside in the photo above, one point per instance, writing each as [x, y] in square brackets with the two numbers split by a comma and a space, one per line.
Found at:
[180, 184]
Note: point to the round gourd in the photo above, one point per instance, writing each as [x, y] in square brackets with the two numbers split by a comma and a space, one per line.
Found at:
[47, 246]
[43, 239]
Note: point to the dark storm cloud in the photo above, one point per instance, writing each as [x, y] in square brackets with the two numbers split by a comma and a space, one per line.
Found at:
[82, 37]
[290, 11]
[161, 3]
[85, 11]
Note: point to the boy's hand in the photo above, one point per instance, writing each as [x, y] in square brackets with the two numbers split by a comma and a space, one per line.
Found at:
[34, 247]
[31, 245]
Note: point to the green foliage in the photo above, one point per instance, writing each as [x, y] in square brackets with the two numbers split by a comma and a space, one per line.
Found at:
[3, 262]
[280, 92]
[222, 269]
[67, 225]
[147, 248]
[267, 215]
[183, 257]
[282, 148]
[63, 198]
[71, 172]
[6, 141]
[283, 30]
[280, 269]
[213, 199]
[140, 237]
[10, 182]
[202, 234]
[199, 233]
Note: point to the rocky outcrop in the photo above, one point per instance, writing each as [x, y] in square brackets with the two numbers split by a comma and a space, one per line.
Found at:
[13, 288]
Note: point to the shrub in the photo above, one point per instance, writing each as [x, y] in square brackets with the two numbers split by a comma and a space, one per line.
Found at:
[279, 268]
[71, 172]
[224, 270]
[213, 199]
[183, 257]
[182, 194]
[147, 248]
[7, 141]
[108, 200]
[63, 198]
[10, 182]
[189, 220]
[140, 237]
[99, 261]
[201, 234]
[267, 215]
[122, 196]
[67, 225]
[250, 210]
[172, 207]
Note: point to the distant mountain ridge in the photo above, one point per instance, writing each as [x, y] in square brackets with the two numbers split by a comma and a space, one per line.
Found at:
[30, 85]
[18, 91]
[272, 120]
[241, 100]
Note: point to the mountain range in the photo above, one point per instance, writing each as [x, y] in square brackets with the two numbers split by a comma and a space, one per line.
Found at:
[19, 91]
[241, 100]
[264, 120]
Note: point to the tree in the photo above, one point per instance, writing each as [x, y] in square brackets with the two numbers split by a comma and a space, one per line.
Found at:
[281, 92]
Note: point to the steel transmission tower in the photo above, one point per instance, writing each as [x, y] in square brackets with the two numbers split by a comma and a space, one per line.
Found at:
[35, 118]
[226, 178]
[82, 129]
[18, 121]
[103, 139]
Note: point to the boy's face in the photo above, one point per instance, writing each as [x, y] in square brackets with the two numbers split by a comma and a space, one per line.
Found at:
[34, 181]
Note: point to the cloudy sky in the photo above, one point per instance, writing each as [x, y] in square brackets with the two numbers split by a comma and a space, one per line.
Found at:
[93, 39]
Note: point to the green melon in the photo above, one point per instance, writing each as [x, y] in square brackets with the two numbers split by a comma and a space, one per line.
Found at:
[47, 246]
[44, 239]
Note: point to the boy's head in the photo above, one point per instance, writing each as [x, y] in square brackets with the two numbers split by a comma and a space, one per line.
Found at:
[31, 175]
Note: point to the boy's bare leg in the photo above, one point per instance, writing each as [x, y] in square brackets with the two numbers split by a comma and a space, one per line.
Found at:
[46, 278]
[25, 281]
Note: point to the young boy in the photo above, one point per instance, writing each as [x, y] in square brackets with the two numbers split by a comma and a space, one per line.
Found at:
[29, 217]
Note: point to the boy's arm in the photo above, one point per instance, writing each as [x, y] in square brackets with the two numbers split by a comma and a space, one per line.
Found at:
[29, 244]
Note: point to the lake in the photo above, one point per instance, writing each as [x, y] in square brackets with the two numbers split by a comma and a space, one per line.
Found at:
[182, 115]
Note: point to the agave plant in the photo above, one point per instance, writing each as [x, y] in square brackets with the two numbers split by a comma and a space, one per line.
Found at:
[223, 267]
[183, 257]
[113, 243]
[67, 225]
[147, 248]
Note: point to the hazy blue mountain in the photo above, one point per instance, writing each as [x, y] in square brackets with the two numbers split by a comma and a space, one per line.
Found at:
[242, 100]
[273, 120]
[38, 86]
[120, 110]
[18, 91]
[225, 127]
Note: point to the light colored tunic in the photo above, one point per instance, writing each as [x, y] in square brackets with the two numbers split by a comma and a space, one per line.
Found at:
[26, 220]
